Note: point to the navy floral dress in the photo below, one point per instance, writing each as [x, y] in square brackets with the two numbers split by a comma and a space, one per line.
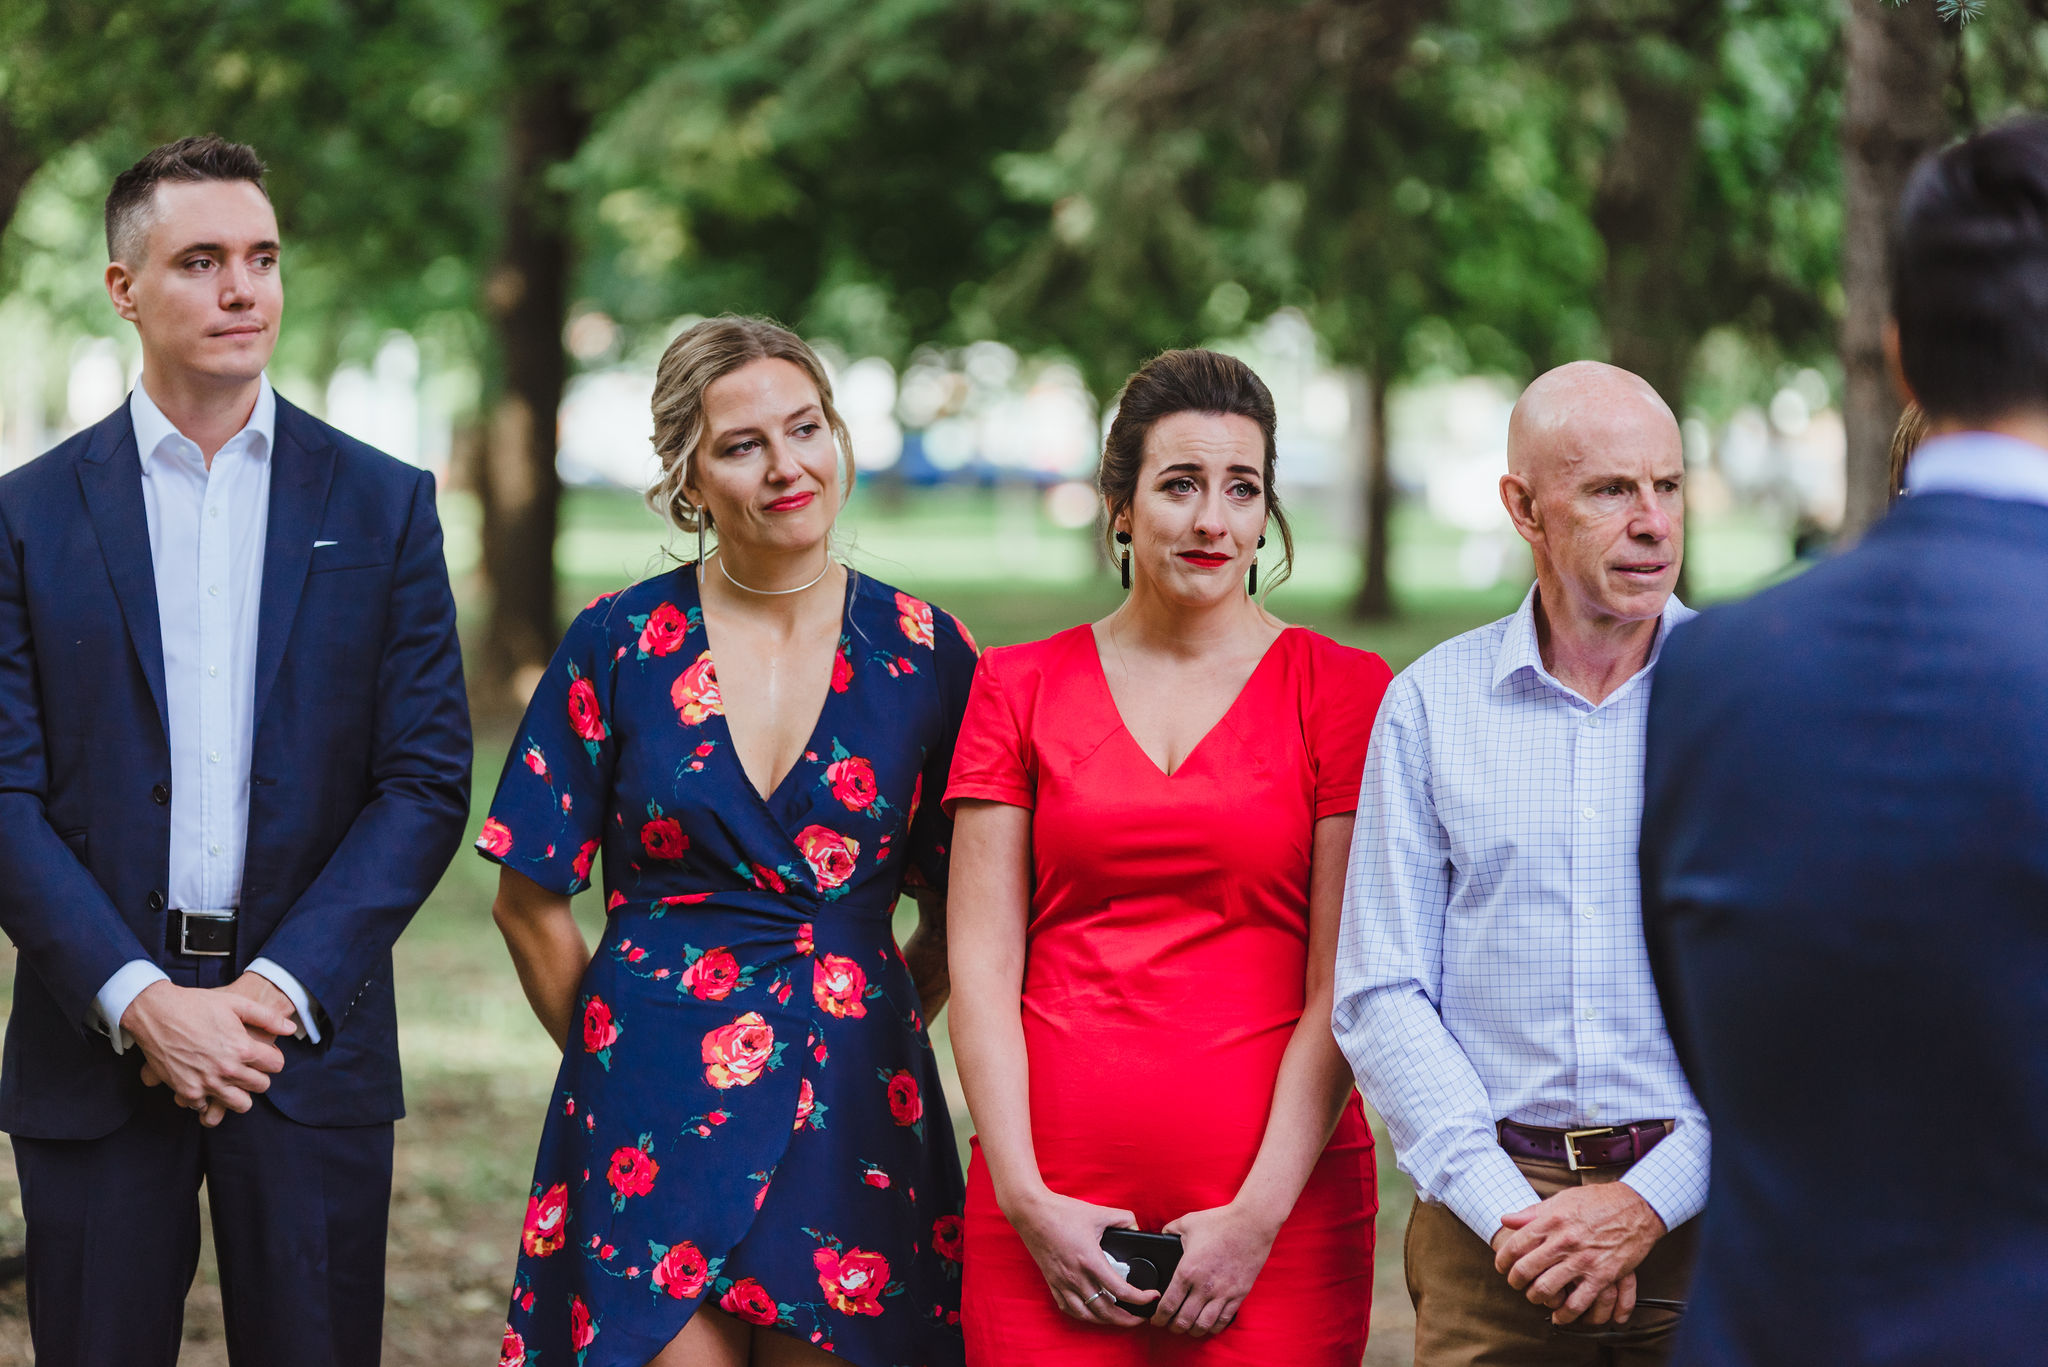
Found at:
[752, 1115]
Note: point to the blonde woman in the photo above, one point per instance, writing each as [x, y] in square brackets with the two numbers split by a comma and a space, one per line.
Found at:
[747, 1159]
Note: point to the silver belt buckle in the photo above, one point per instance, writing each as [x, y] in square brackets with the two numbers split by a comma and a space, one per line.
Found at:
[185, 920]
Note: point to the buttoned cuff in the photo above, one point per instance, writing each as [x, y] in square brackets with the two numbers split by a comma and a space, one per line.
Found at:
[1492, 1187]
[281, 977]
[118, 995]
[1673, 1179]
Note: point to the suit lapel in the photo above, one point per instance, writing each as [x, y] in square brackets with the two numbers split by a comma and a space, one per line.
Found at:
[302, 470]
[110, 476]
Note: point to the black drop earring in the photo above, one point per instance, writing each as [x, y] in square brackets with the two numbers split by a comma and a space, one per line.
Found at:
[1251, 583]
[1124, 560]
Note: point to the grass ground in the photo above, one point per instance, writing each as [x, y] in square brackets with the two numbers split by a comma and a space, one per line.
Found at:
[478, 1068]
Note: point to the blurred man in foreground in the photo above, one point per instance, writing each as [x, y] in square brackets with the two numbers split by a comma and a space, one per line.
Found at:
[234, 759]
[1845, 853]
[1493, 994]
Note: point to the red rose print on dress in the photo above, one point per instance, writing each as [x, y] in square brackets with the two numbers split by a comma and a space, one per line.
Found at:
[904, 1103]
[809, 1110]
[581, 1330]
[853, 1280]
[664, 631]
[965, 634]
[946, 1233]
[750, 1300]
[632, 1172]
[663, 838]
[853, 783]
[600, 1031]
[535, 760]
[735, 1055]
[682, 1270]
[547, 1215]
[495, 838]
[803, 939]
[695, 692]
[915, 617]
[837, 985]
[513, 1353]
[766, 879]
[830, 855]
[842, 669]
[581, 864]
[713, 976]
[874, 1176]
[583, 714]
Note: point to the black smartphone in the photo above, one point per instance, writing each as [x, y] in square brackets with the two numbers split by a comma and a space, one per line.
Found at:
[1151, 1258]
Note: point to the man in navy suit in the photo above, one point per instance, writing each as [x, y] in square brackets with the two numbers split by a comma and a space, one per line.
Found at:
[234, 760]
[1845, 854]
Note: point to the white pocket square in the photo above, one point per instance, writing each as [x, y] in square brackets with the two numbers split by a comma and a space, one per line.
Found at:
[318, 544]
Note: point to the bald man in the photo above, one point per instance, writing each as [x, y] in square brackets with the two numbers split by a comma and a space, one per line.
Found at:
[1494, 995]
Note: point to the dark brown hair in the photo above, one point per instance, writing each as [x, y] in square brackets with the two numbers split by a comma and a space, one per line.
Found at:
[1190, 380]
[187, 160]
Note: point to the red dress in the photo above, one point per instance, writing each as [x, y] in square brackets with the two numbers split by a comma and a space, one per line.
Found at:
[1166, 959]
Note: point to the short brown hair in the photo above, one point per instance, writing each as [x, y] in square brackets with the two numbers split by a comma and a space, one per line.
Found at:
[705, 353]
[1190, 380]
[187, 160]
[1906, 438]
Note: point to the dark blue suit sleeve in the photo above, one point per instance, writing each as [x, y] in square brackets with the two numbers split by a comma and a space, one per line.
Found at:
[54, 910]
[401, 842]
[1663, 780]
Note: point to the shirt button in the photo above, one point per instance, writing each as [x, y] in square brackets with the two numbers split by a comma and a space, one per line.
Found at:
[214, 511]
[1586, 913]
[1588, 813]
[1589, 1013]
[213, 671]
[216, 847]
[1593, 1111]
[213, 756]
[213, 590]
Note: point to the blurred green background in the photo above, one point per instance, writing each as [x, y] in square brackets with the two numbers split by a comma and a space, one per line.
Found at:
[985, 213]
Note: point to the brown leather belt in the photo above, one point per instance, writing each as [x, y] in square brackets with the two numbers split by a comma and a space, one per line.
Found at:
[1608, 1146]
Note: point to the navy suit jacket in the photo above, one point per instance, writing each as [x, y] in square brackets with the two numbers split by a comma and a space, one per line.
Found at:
[1845, 892]
[359, 781]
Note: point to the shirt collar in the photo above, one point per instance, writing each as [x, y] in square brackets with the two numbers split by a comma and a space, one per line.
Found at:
[1518, 649]
[153, 429]
[1987, 464]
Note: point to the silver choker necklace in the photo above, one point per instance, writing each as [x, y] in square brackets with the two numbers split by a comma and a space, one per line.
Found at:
[773, 593]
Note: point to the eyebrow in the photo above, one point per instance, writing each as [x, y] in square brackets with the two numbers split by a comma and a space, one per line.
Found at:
[732, 433]
[218, 248]
[1191, 466]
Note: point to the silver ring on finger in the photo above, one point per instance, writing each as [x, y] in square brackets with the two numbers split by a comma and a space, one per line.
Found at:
[1100, 1292]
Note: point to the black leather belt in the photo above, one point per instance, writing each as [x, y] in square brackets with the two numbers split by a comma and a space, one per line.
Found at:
[204, 934]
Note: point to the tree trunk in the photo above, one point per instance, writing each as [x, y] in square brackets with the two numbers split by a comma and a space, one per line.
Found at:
[1897, 67]
[1375, 600]
[526, 299]
[1640, 210]
[18, 165]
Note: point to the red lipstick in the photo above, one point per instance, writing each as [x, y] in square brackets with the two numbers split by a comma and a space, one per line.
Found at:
[791, 503]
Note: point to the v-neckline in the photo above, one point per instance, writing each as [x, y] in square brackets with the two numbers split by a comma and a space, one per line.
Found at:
[767, 800]
[1109, 697]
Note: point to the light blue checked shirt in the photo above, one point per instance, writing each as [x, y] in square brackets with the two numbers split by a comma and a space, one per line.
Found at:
[1491, 963]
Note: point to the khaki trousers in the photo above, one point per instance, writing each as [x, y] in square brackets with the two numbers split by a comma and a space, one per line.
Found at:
[1466, 1314]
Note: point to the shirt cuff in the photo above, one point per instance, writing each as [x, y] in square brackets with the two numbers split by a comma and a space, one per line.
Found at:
[118, 995]
[1491, 1188]
[1676, 1186]
[281, 978]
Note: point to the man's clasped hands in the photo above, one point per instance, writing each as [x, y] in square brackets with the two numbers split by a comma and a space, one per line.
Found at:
[214, 1047]
[1576, 1252]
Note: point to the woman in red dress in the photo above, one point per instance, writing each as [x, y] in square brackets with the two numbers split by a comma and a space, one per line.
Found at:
[1153, 817]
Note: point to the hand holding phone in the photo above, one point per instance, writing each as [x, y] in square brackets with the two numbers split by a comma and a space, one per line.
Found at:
[1150, 1259]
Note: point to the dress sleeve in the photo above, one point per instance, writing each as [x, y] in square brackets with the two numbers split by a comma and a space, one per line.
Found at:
[1344, 700]
[547, 818]
[931, 822]
[990, 761]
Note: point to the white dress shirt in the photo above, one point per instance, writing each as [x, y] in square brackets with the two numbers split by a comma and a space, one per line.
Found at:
[206, 541]
[1987, 464]
[1491, 962]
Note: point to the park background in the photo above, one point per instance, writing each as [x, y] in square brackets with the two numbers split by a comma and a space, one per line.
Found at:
[985, 213]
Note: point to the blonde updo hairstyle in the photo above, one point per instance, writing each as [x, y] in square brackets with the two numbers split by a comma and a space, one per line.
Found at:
[702, 355]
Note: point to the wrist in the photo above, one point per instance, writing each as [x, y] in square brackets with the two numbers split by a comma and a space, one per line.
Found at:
[1260, 1219]
[1024, 1202]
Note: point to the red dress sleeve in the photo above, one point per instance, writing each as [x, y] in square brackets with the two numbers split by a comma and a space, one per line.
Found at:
[991, 760]
[1345, 689]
